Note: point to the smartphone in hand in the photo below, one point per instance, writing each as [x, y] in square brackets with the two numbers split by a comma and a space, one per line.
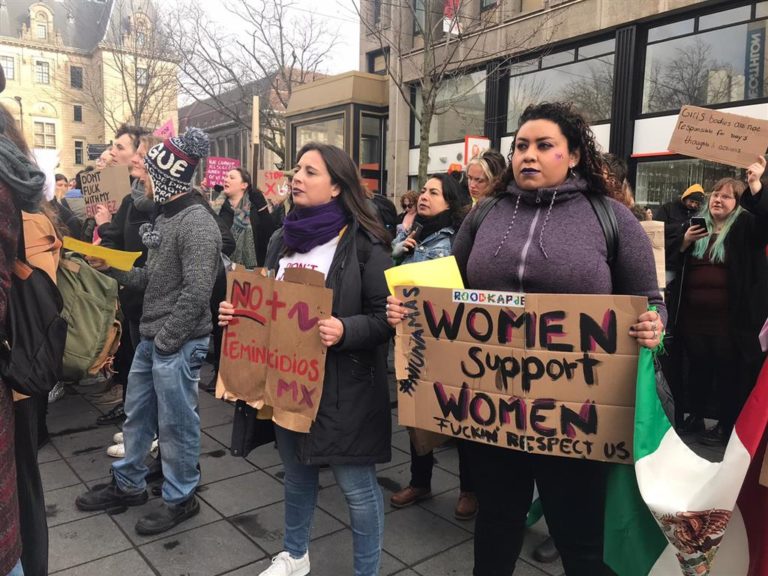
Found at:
[699, 221]
[415, 231]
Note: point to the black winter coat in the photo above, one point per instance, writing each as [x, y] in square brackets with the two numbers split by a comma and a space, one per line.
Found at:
[676, 218]
[747, 273]
[353, 424]
[262, 224]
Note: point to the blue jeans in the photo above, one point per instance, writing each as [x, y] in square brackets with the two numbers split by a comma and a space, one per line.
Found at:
[162, 399]
[17, 570]
[360, 488]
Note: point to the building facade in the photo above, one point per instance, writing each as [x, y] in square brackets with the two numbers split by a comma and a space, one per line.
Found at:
[76, 70]
[627, 65]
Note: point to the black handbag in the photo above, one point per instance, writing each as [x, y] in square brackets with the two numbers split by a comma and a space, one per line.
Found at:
[32, 340]
[249, 431]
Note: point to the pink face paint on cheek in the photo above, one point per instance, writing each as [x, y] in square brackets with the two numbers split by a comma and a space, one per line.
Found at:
[559, 156]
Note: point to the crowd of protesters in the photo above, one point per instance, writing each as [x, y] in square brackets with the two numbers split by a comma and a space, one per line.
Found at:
[533, 229]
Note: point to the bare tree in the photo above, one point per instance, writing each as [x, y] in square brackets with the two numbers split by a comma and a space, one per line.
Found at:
[592, 92]
[137, 81]
[278, 51]
[450, 40]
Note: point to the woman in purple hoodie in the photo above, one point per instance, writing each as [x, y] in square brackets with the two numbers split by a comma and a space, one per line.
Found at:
[543, 236]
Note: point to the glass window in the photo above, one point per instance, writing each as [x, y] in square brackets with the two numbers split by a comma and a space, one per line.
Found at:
[141, 77]
[662, 181]
[725, 17]
[761, 10]
[597, 49]
[45, 135]
[79, 145]
[76, 77]
[370, 143]
[77, 113]
[484, 4]
[41, 31]
[725, 65]
[670, 30]
[558, 58]
[376, 12]
[587, 83]
[42, 73]
[9, 66]
[328, 131]
[420, 16]
[459, 109]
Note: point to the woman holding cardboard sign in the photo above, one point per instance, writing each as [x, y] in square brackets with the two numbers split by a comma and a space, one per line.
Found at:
[722, 302]
[332, 230]
[542, 235]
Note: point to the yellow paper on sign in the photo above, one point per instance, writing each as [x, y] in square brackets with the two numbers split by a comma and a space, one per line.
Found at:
[437, 273]
[115, 258]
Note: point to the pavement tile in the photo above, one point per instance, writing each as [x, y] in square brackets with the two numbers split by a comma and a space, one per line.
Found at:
[128, 563]
[216, 415]
[447, 458]
[60, 505]
[265, 526]
[217, 464]
[204, 551]
[47, 453]
[57, 474]
[206, 400]
[398, 457]
[222, 434]
[415, 534]
[84, 540]
[326, 477]
[78, 419]
[243, 493]
[443, 505]
[264, 456]
[402, 441]
[87, 441]
[331, 556]
[93, 465]
[127, 521]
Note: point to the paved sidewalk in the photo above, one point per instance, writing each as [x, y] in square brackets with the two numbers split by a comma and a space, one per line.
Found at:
[240, 524]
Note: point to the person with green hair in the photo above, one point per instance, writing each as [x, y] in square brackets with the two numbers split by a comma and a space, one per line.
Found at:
[721, 304]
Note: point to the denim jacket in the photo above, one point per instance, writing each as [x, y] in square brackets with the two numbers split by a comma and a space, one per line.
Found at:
[433, 246]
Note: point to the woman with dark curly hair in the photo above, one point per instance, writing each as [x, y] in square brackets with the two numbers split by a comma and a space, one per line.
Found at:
[542, 236]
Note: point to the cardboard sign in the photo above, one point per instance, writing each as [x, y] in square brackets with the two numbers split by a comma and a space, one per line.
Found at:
[655, 231]
[107, 186]
[218, 168]
[270, 182]
[271, 350]
[544, 373]
[436, 273]
[718, 136]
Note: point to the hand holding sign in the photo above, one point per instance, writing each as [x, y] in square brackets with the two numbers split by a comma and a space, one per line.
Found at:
[755, 173]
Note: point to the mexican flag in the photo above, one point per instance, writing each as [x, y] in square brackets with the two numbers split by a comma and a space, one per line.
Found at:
[669, 514]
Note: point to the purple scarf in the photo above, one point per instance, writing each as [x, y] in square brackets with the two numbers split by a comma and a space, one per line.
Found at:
[307, 228]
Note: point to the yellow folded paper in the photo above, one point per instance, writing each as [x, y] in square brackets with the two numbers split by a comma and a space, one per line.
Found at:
[437, 273]
[115, 258]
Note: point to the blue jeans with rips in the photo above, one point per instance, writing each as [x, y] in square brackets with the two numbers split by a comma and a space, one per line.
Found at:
[360, 488]
[162, 399]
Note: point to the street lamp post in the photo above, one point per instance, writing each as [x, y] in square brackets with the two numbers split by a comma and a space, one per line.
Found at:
[21, 113]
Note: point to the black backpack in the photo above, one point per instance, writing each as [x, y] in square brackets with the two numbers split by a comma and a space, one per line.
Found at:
[32, 340]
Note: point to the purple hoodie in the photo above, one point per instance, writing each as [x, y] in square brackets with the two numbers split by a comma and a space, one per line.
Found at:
[550, 241]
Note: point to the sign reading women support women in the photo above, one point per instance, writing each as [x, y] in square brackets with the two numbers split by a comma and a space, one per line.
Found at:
[543, 373]
[271, 350]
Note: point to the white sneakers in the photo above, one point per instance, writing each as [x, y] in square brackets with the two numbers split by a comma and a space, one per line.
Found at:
[118, 449]
[284, 565]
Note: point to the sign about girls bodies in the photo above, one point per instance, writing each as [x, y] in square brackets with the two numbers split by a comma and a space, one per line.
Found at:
[271, 350]
[544, 373]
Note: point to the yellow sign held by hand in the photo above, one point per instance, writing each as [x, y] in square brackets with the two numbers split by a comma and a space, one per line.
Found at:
[437, 273]
[118, 259]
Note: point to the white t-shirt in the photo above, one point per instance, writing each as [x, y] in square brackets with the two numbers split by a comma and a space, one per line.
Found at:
[319, 258]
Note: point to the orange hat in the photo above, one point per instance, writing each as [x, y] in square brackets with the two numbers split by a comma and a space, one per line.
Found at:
[692, 189]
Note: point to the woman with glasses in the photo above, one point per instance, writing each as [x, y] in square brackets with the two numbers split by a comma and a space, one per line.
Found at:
[407, 216]
[721, 303]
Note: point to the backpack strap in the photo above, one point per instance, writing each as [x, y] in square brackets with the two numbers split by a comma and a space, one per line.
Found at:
[478, 214]
[21, 248]
[607, 219]
[364, 248]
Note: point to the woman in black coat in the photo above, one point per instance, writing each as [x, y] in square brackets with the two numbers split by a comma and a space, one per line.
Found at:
[721, 302]
[331, 229]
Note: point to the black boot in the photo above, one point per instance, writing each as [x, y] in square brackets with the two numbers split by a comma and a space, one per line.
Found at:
[167, 516]
[106, 496]
[546, 552]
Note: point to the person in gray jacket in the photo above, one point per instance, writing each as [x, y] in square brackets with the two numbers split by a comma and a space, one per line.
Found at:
[184, 244]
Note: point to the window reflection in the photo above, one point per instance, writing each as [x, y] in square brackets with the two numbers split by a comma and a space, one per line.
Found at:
[663, 181]
[460, 109]
[714, 67]
[588, 84]
[329, 131]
